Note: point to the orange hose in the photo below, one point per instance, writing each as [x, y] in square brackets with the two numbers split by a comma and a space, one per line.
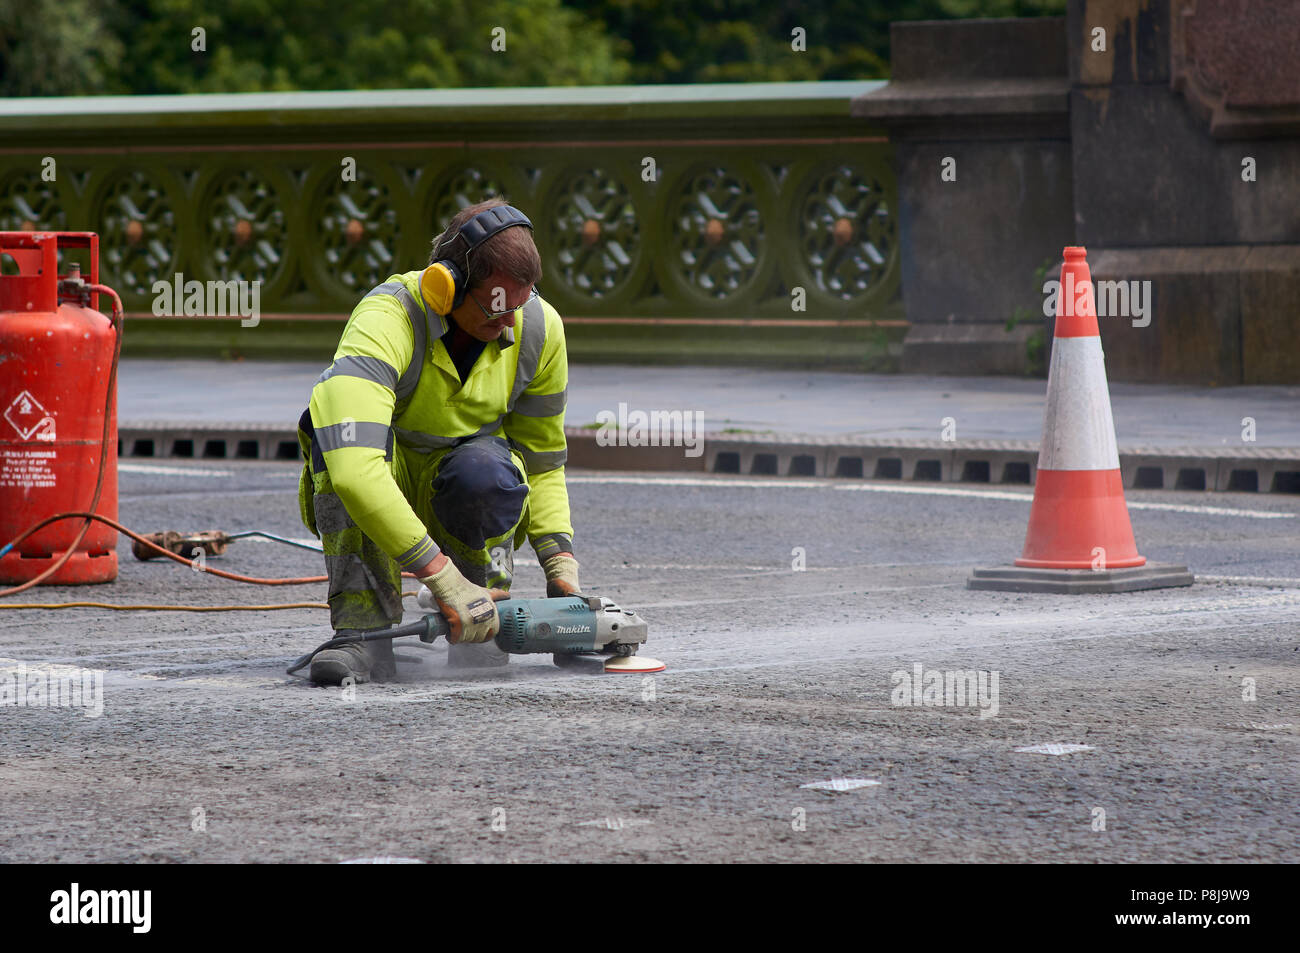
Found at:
[233, 576]
[89, 516]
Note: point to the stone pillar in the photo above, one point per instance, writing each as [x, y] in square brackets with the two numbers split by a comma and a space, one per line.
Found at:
[993, 97]
[1175, 106]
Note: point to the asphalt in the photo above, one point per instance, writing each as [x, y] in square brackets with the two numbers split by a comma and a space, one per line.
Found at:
[785, 610]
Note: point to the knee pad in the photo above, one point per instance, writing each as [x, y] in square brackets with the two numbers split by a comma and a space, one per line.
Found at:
[478, 494]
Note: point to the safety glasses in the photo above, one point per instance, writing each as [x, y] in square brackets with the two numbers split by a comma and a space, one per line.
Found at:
[497, 315]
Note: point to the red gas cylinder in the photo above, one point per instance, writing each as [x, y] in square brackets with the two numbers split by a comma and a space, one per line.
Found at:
[56, 353]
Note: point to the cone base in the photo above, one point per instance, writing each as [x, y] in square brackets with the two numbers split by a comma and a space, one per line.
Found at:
[1073, 581]
[1130, 563]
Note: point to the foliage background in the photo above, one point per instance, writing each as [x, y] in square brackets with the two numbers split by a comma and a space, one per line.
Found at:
[123, 47]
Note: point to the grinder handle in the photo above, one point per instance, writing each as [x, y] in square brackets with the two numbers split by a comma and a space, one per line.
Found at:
[435, 623]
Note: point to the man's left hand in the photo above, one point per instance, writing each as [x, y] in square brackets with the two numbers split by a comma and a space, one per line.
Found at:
[561, 575]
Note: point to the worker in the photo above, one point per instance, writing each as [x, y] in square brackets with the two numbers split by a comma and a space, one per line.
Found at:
[434, 444]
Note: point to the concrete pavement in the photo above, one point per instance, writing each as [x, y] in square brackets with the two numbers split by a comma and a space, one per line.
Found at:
[881, 406]
[773, 423]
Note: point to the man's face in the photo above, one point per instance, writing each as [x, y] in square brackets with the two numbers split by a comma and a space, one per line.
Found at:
[496, 293]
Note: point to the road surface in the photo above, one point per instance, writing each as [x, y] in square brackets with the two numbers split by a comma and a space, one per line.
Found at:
[793, 614]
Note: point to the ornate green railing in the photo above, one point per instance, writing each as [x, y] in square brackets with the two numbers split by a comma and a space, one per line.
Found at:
[654, 206]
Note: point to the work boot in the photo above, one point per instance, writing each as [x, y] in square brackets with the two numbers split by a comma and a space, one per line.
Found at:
[361, 661]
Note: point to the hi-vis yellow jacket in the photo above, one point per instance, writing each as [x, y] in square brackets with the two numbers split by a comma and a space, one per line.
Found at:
[379, 398]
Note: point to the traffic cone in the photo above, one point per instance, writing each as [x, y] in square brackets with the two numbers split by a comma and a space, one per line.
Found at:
[1079, 537]
[1079, 519]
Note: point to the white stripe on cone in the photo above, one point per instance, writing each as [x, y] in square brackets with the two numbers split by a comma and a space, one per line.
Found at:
[1078, 429]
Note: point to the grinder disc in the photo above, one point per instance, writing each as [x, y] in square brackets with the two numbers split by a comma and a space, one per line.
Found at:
[633, 665]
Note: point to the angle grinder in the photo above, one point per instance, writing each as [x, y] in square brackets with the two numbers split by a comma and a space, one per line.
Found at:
[589, 633]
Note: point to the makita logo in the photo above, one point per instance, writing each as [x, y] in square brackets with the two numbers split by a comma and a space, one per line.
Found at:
[572, 629]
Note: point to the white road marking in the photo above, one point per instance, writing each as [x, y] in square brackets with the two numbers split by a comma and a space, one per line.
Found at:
[313, 543]
[1012, 495]
[1251, 580]
[840, 784]
[383, 860]
[171, 471]
[1028, 497]
[1212, 510]
[696, 481]
[1054, 749]
[614, 823]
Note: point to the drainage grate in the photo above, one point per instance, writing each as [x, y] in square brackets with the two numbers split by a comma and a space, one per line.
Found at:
[727, 461]
[931, 470]
[1149, 478]
[849, 467]
[1286, 481]
[889, 468]
[803, 465]
[1243, 481]
[1015, 473]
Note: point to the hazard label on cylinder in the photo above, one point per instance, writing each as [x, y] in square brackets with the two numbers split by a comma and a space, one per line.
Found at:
[27, 468]
[27, 416]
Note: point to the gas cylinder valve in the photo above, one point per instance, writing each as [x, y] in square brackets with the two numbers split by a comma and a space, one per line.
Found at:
[73, 286]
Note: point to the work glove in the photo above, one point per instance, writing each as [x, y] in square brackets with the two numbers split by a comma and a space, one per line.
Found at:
[561, 575]
[469, 610]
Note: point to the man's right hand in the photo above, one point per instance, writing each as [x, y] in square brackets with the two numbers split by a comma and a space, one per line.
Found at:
[469, 610]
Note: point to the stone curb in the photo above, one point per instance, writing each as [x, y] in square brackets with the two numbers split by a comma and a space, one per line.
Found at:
[1240, 469]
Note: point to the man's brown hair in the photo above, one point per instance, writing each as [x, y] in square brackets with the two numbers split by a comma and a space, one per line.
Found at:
[510, 251]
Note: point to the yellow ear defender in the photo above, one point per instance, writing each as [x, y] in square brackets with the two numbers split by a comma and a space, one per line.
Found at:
[443, 283]
[439, 284]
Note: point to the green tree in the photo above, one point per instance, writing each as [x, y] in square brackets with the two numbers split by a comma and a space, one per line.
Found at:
[369, 44]
[693, 41]
[71, 47]
[1003, 8]
[56, 48]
